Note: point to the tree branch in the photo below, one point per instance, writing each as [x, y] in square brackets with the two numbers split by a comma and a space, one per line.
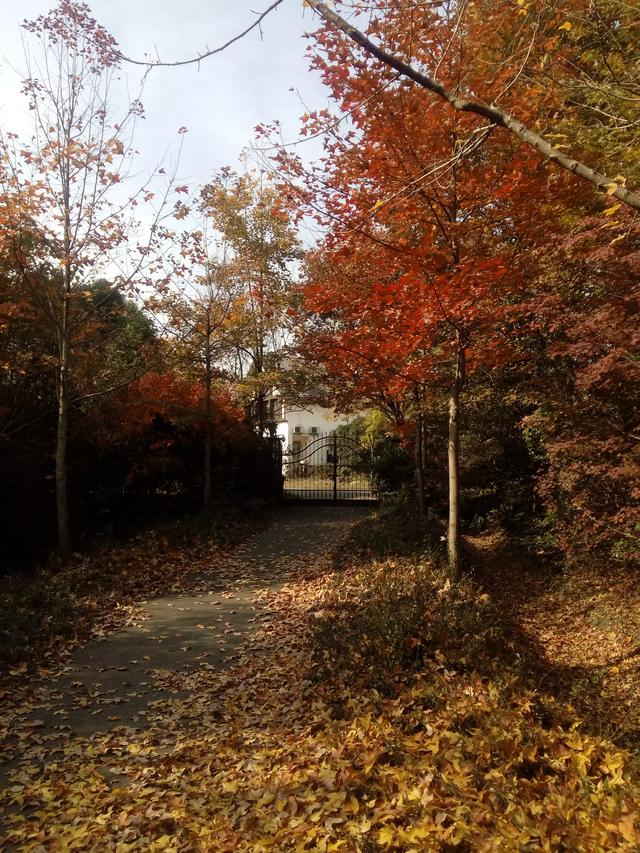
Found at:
[493, 113]
[197, 59]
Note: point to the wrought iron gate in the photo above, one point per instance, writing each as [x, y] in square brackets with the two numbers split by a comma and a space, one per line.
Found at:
[331, 468]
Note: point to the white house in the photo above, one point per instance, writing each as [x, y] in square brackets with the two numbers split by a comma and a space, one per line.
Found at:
[299, 426]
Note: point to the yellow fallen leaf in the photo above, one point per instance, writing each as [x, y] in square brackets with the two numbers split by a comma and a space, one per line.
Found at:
[417, 833]
[573, 740]
[162, 843]
[266, 799]
[387, 835]
[352, 805]
[627, 829]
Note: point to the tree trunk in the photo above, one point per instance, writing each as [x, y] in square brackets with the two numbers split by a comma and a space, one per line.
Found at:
[64, 349]
[453, 533]
[208, 427]
[62, 504]
[261, 404]
[424, 453]
[419, 462]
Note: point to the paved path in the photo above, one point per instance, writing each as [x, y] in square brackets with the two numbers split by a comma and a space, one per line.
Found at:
[111, 682]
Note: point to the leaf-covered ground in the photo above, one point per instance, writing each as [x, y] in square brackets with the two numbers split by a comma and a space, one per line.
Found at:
[580, 628]
[302, 744]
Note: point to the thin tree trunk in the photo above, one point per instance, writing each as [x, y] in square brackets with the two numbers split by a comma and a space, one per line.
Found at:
[62, 503]
[453, 533]
[419, 462]
[206, 497]
[261, 395]
[62, 500]
[424, 452]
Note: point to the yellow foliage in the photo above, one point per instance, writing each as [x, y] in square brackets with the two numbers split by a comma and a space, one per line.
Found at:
[267, 757]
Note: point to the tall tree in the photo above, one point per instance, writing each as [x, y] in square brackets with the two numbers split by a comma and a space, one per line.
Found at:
[521, 52]
[199, 310]
[262, 248]
[429, 221]
[79, 217]
[513, 42]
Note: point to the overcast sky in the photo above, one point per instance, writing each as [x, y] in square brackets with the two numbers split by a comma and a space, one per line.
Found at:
[221, 102]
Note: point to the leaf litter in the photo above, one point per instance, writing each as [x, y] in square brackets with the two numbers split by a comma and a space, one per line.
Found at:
[267, 755]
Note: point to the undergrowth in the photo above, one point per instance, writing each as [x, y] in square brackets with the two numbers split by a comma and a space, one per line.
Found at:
[395, 530]
[391, 605]
[388, 615]
[391, 611]
[440, 658]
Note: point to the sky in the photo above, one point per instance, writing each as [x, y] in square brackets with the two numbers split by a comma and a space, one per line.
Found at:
[254, 81]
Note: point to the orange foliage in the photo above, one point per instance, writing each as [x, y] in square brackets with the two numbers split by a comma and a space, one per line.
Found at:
[173, 398]
[431, 218]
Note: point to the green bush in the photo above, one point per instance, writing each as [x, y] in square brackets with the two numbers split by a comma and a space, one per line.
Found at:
[393, 468]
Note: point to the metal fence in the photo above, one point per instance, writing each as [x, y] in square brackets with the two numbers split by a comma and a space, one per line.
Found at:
[328, 468]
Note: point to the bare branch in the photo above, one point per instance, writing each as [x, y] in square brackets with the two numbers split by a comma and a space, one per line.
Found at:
[197, 59]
